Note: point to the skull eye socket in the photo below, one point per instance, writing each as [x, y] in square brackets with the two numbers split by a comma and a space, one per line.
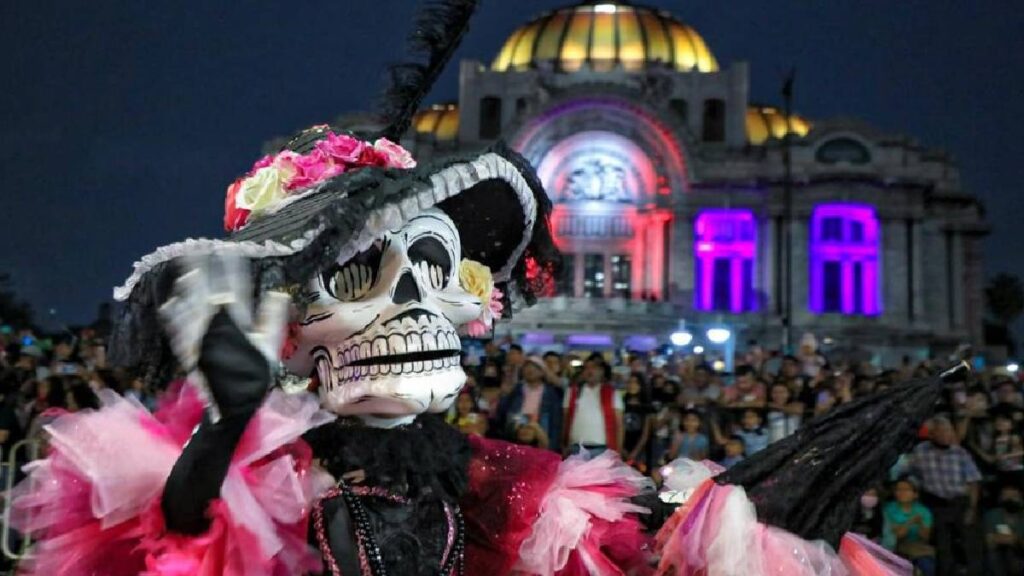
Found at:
[354, 279]
[432, 260]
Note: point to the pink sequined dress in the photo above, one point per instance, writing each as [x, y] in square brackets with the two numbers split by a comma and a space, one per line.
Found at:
[93, 504]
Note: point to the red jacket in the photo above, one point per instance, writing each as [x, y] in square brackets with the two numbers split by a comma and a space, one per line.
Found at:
[607, 409]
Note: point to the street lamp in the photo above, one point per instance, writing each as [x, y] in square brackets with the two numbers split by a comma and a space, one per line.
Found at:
[719, 335]
[681, 338]
[722, 336]
[1012, 367]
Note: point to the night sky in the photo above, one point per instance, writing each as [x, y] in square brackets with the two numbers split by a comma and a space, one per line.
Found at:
[121, 123]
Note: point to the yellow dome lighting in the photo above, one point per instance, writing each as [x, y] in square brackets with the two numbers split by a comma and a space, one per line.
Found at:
[767, 122]
[605, 35]
[440, 121]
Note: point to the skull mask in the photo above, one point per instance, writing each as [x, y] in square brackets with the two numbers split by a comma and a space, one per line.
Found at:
[381, 328]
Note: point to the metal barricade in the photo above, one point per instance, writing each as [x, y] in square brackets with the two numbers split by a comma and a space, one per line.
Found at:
[15, 546]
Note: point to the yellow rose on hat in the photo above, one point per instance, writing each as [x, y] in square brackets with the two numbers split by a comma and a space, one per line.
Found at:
[476, 279]
[264, 188]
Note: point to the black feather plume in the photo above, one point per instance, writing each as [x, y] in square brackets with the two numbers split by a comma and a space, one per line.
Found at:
[437, 33]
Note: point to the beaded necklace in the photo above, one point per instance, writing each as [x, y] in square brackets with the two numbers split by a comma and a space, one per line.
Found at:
[371, 562]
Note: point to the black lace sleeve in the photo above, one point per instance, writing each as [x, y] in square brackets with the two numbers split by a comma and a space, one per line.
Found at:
[238, 377]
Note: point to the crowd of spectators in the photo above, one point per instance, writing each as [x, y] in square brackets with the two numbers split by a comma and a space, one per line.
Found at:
[953, 505]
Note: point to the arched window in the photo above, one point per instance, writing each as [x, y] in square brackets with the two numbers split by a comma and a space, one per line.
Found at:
[490, 117]
[714, 120]
[845, 260]
[843, 150]
[725, 248]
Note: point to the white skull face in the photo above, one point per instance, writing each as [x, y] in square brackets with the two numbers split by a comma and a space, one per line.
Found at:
[380, 329]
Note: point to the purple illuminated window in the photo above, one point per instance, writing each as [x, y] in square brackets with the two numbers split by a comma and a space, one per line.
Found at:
[844, 260]
[725, 248]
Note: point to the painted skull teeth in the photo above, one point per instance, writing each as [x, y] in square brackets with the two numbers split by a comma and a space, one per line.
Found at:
[416, 344]
[397, 367]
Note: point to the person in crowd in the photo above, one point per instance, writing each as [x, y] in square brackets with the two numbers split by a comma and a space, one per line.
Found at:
[746, 392]
[1008, 394]
[637, 422]
[1007, 447]
[10, 426]
[1004, 533]
[47, 393]
[490, 372]
[811, 361]
[557, 371]
[466, 415]
[593, 410]
[907, 527]
[868, 520]
[489, 380]
[30, 359]
[531, 434]
[79, 396]
[689, 441]
[755, 437]
[751, 430]
[139, 392]
[708, 383]
[106, 379]
[975, 428]
[834, 391]
[949, 488]
[756, 358]
[665, 421]
[734, 450]
[514, 360]
[664, 391]
[65, 356]
[532, 400]
[784, 414]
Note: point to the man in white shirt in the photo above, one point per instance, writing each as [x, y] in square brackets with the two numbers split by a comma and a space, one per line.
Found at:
[593, 411]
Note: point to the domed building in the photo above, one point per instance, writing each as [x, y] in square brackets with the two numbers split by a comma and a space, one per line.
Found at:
[670, 192]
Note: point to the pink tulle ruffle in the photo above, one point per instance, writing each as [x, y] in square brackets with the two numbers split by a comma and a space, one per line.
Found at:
[586, 523]
[93, 503]
[716, 532]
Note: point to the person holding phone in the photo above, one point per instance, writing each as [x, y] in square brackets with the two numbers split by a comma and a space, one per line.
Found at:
[1004, 533]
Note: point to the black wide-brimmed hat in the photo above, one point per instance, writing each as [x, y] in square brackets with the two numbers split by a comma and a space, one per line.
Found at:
[494, 198]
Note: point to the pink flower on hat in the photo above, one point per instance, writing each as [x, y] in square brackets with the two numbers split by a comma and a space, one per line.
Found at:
[274, 178]
[341, 148]
[313, 168]
[263, 162]
[482, 325]
[394, 155]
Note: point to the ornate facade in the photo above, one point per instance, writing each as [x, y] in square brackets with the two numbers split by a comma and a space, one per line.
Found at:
[669, 186]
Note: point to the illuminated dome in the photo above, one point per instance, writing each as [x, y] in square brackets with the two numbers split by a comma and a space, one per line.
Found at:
[605, 35]
[440, 121]
[767, 122]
